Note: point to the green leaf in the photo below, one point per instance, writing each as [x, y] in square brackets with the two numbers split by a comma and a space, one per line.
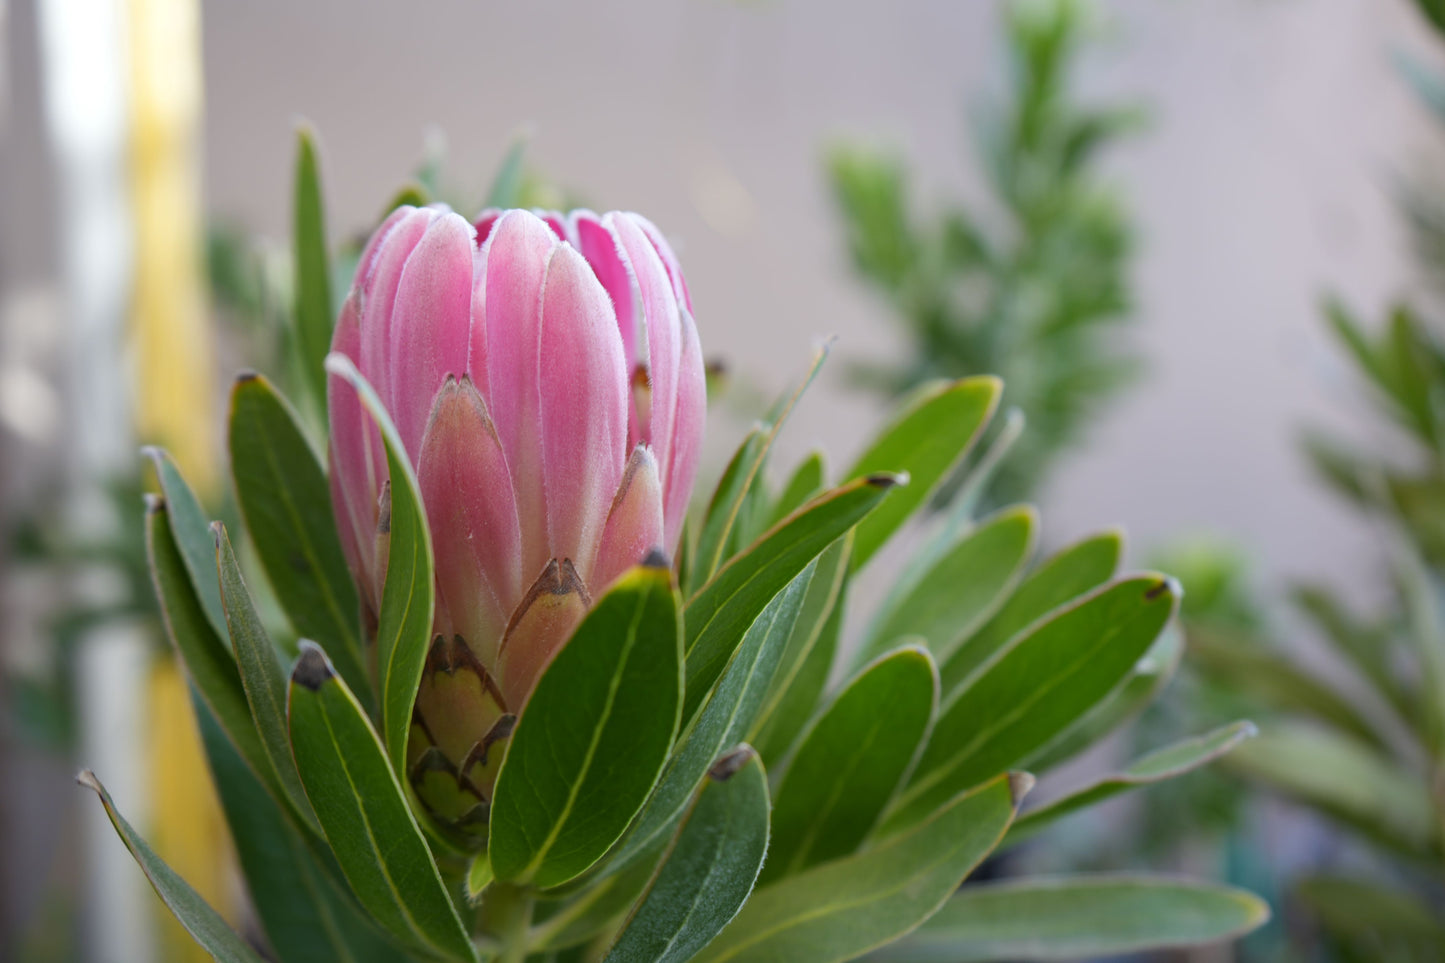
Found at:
[1079, 917]
[596, 908]
[364, 813]
[189, 527]
[946, 603]
[1157, 766]
[928, 437]
[314, 318]
[1036, 687]
[286, 503]
[718, 615]
[843, 909]
[207, 659]
[1346, 780]
[742, 482]
[593, 738]
[710, 869]
[1070, 573]
[305, 915]
[262, 677]
[852, 761]
[408, 597]
[506, 188]
[479, 876]
[1395, 924]
[808, 481]
[203, 923]
[724, 720]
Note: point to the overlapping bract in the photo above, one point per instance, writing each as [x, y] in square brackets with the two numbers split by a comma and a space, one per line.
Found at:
[545, 376]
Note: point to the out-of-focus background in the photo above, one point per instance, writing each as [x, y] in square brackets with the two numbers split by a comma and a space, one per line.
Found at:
[1257, 168]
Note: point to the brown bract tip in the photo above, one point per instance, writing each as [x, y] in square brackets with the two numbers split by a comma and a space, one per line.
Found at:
[728, 765]
[154, 503]
[243, 376]
[657, 558]
[1019, 784]
[885, 479]
[1166, 584]
[312, 668]
[87, 779]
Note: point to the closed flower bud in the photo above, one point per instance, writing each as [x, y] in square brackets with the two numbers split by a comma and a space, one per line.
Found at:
[545, 376]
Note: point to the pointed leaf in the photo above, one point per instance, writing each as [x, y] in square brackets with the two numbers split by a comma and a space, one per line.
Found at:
[593, 738]
[286, 503]
[1157, 766]
[925, 440]
[808, 481]
[408, 597]
[852, 761]
[200, 920]
[718, 615]
[506, 188]
[843, 909]
[188, 521]
[1079, 917]
[1035, 688]
[710, 869]
[364, 813]
[312, 269]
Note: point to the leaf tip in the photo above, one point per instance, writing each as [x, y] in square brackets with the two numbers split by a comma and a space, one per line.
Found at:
[155, 504]
[1019, 784]
[313, 669]
[247, 376]
[1164, 585]
[886, 479]
[730, 762]
[87, 779]
[657, 558]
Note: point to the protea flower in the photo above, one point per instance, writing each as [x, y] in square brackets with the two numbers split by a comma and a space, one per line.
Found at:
[545, 377]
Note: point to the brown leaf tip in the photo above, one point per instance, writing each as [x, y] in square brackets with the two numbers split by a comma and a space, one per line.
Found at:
[657, 558]
[728, 765]
[886, 479]
[247, 375]
[312, 668]
[1164, 585]
[87, 779]
[155, 504]
[1019, 784]
[383, 509]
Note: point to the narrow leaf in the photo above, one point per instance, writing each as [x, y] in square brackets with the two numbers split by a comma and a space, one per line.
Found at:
[195, 914]
[710, 870]
[189, 524]
[927, 438]
[778, 732]
[1079, 917]
[719, 614]
[1036, 687]
[286, 503]
[852, 761]
[1157, 766]
[408, 597]
[506, 188]
[808, 481]
[593, 737]
[262, 677]
[312, 269]
[364, 813]
[843, 909]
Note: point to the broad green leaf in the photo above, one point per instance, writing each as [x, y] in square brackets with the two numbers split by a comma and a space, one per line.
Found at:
[718, 615]
[207, 659]
[1157, 766]
[199, 919]
[852, 761]
[305, 916]
[1348, 781]
[312, 271]
[1035, 688]
[843, 909]
[1078, 917]
[262, 677]
[742, 482]
[710, 869]
[593, 738]
[946, 603]
[808, 481]
[363, 811]
[506, 188]
[1080, 568]
[286, 503]
[723, 722]
[1249, 667]
[408, 597]
[1146, 681]
[596, 908]
[190, 529]
[930, 435]
[798, 683]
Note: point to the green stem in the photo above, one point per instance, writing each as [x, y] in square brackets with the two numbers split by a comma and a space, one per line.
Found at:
[510, 916]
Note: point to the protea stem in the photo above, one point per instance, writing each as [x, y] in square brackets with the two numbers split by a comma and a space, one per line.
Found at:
[509, 916]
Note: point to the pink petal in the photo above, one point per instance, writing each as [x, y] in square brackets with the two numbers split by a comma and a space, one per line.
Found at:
[485, 222]
[664, 251]
[634, 524]
[541, 625]
[378, 297]
[558, 224]
[507, 344]
[599, 246]
[472, 512]
[354, 471]
[366, 264]
[583, 424]
[687, 433]
[430, 324]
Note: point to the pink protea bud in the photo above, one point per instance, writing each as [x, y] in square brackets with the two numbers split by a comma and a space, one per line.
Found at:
[545, 376]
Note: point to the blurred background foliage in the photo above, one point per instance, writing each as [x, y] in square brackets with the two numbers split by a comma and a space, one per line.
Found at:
[1031, 284]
